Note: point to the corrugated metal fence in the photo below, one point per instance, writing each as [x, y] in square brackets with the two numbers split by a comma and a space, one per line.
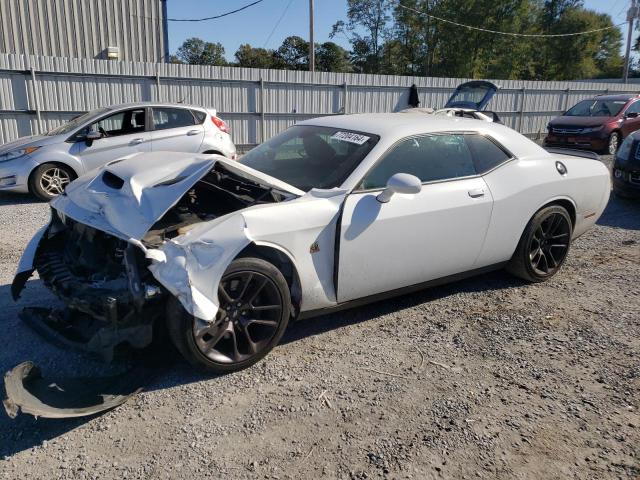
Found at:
[39, 93]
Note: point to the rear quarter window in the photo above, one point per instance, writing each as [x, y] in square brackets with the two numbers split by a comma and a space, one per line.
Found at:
[199, 116]
[486, 154]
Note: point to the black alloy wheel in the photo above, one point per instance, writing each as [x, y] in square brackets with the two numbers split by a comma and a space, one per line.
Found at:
[544, 245]
[253, 314]
[550, 244]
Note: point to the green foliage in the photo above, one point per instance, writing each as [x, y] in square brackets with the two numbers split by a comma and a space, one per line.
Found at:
[196, 51]
[386, 38]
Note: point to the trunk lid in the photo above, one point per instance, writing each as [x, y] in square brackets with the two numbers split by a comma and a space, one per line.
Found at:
[126, 197]
[474, 95]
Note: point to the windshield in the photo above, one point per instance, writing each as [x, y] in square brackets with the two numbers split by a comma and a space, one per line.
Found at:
[309, 157]
[76, 122]
[596, 108]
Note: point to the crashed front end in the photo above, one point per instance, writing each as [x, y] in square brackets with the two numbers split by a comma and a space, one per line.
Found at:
[111, 298]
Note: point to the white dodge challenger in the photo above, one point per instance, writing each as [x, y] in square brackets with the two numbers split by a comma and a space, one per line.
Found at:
[332, 213]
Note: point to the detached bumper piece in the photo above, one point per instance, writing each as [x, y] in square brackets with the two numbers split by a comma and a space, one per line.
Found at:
[28, 392]
[72, 329]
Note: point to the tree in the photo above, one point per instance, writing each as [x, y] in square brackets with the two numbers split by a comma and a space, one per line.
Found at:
[371, 16]
[294, 53]
[196, 51]
[331, 57]
[250, 57]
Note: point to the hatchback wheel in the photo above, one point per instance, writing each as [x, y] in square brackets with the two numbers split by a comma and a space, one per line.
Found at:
[544, 245]
[613, 143]
[255, 306]
[49, 180]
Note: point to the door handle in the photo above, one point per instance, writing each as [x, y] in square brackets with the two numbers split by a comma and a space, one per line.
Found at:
[193, 132]
[476, 192]
[136, 141]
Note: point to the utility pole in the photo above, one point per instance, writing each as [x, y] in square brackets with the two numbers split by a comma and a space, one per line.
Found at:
[632, 14]
[312, 49]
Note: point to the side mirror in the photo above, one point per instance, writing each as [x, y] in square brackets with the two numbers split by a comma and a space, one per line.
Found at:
[91, 136]
[400, 183]
[631, 115]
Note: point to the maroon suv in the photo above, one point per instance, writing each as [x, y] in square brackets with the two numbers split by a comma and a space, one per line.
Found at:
[598, 124]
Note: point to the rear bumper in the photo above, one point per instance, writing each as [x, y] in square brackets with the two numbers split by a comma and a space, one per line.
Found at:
[576, 141]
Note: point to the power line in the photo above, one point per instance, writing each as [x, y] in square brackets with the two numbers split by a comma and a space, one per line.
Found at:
[284, 12]
[486, 30]
[214, 17]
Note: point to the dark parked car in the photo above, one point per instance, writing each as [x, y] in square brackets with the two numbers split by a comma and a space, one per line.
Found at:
[626, 168]
[599, 124]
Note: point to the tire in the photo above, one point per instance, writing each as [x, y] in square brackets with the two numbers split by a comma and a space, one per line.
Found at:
[612, 144]
[49, 180]
[225, 345]
[544, 245]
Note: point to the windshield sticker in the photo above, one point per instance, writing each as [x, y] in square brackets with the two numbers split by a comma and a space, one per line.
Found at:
[351, 137]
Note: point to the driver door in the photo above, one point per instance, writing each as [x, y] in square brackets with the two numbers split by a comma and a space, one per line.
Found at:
[411, 239]
[124, 133]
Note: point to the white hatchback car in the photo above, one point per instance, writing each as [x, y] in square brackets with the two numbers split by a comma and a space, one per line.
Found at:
[45, 164]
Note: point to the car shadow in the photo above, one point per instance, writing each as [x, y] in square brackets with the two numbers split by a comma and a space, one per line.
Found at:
[621, 213]
[11, 198]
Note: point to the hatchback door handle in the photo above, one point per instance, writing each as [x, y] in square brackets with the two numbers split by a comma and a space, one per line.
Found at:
[136, 141]
[476, 192]
[193, 132]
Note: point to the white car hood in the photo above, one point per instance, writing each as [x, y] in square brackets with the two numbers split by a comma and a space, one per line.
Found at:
[126, 197]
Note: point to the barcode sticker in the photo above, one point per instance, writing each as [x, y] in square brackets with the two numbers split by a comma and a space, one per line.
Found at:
[350, 137]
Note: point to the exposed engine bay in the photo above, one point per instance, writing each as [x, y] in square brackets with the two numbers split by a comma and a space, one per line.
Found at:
[216, 194]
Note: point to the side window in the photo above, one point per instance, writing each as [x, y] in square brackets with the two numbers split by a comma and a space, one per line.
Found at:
[200, 116]
[164, 118]
[633, 108]
[486, 154]
[430, 158]
[121, 123]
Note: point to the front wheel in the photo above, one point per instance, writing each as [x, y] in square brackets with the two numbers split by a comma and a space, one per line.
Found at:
[544, 245]
[255, 306]
[613, 143]
[49, 180]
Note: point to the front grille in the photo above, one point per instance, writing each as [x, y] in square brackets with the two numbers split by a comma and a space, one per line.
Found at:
[634, 178]
[567, 130]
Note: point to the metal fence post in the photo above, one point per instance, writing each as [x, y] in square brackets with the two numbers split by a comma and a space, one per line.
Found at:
[566, 100]
[36, 100]
[345, 97]
[158, 85]
[262, 112]
[523, 94]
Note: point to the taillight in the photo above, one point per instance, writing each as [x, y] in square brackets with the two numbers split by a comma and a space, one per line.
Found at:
[223, 127]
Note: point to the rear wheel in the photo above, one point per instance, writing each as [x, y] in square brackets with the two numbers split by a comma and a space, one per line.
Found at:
[544, 245]
[255, 306]
[49, 180]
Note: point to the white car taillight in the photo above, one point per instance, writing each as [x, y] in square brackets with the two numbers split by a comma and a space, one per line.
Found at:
[222, 126]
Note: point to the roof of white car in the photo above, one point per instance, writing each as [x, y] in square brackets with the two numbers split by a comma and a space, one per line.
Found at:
[394, 126]
[154, 104]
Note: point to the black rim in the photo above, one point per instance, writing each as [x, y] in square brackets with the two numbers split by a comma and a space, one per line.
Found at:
[550, 244]
[247, 320]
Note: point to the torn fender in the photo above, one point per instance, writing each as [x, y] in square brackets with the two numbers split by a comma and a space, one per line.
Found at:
[25, 266]
[196, 261]
[28, 392]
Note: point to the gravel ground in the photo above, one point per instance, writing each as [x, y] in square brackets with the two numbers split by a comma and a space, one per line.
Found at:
[485, 378]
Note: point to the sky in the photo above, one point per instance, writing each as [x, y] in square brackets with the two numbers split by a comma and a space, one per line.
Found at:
[256, 24]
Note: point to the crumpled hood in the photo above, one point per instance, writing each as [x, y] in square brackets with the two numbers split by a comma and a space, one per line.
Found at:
[126, 197]
[32, 141]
